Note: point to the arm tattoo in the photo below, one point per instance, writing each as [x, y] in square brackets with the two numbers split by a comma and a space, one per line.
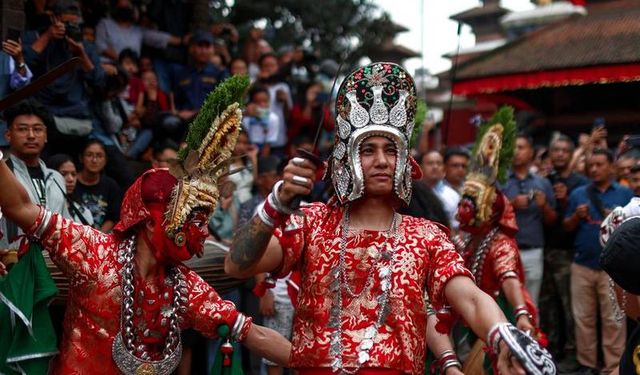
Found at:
[250, 242]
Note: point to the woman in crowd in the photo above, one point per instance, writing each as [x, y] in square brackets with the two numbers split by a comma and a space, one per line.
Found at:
[99, 193]
[67, 168]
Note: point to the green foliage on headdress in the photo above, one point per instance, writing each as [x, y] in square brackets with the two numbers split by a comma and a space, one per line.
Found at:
[503, 116]
[229, 91]
[421, 114]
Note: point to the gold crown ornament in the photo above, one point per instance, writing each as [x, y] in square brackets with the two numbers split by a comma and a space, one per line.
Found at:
[490, 158]
[210, 142]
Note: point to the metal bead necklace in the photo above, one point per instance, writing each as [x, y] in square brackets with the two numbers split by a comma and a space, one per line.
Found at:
[340, 286]
[480, 254]
[618, 309]
[124, 347]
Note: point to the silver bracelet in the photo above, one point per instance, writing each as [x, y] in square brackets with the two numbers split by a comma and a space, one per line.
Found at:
[44, 224]
[450, 363]
[237, 327]
[262, 215]
[276, 200]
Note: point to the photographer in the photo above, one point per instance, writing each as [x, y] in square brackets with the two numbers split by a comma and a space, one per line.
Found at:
[534, 202]
[66, 97]
[587, 208]
[556, 318]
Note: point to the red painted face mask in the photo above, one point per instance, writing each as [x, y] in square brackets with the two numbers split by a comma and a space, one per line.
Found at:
[187, 243]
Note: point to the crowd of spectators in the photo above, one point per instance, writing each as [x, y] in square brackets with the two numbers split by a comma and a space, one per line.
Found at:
[143, 75]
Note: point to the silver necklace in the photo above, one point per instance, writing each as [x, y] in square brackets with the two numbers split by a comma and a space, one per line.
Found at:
[618, 309]
[477, 260]
[124, 348]
[340, 286]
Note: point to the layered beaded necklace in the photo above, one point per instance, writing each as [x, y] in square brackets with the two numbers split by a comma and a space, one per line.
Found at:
[384, 265]
[134, 359]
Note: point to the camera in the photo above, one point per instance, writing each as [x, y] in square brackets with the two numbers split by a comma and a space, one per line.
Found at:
[73, 31]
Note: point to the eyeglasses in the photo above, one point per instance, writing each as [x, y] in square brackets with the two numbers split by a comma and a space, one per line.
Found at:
[36, 129]
[91, 155]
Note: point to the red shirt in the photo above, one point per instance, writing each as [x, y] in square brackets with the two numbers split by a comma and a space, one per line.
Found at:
[424, 257]
[92, 262]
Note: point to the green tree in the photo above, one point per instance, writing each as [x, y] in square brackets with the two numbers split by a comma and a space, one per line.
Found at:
[332, 28]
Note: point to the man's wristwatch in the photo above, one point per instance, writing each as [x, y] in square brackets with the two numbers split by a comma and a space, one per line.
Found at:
[22, 65]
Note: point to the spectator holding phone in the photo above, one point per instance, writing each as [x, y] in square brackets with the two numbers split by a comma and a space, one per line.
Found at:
[309, 110]
[67, 98]
[588, 206]
[14, 74]
[534, 203]
[558, 254]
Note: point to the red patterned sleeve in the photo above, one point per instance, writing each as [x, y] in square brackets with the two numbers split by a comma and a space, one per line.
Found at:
[206, 311]
[78, 250]
[444, 264]
[505, 258]
[293, 235]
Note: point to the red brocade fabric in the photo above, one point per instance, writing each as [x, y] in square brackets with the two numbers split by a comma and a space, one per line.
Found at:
[152, 189]
[91, 261]
[425, 261]
[503, 255]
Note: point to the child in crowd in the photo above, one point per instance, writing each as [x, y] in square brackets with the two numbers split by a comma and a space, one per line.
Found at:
[259, 121]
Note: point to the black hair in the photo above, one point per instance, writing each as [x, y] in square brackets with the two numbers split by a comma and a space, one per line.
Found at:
[55, 161]
[526, 137]
[28, 107]
[563, 138]
[92, 142]
[256, 89]
[421, 156]
[605, 152]
[161, 146]
[266, 55]
[128, 53]
[455, 151]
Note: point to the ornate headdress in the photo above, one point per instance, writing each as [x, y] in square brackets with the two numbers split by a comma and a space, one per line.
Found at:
[210, 142]
[375, 100]
[490, 158]
[192, 184]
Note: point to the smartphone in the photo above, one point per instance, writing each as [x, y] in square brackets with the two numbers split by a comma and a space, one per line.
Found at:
[14, 34]
[599, 122]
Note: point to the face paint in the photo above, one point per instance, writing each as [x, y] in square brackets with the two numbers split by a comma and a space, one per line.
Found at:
[165, 249]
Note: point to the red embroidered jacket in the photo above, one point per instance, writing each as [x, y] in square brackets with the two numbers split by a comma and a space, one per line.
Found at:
[425, 261]
[91, 261]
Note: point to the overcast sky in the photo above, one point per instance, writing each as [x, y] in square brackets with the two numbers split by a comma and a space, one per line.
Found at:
[439, 31]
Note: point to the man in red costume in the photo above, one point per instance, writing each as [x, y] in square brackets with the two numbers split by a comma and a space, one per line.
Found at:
[130, 294]
[365, 268]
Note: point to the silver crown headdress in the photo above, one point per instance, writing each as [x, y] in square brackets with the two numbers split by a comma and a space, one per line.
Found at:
[375, 100]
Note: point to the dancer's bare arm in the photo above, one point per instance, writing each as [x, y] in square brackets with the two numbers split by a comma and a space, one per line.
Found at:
[481, 313]
[254, 250]
[513, 292]
[268, 344]
[14, 200]
[439, 343]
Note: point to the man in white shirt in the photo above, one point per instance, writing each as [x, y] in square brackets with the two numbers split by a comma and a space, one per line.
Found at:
[432, 164]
